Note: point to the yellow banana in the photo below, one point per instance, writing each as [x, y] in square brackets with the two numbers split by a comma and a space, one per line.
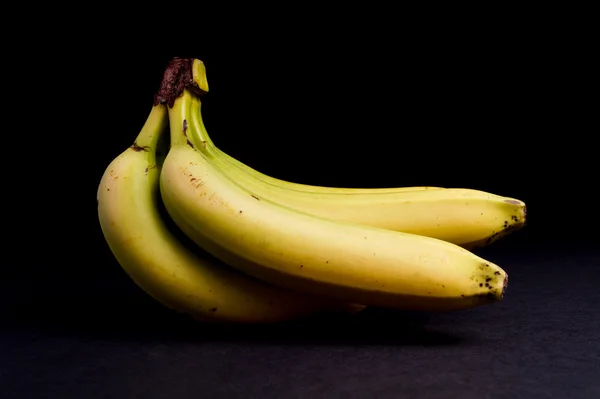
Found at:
[303, 252]
[470, 218]
[180, 277]
[233, 165]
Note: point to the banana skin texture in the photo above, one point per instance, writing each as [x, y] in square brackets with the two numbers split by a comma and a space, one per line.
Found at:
[182, 278]
[306, 253]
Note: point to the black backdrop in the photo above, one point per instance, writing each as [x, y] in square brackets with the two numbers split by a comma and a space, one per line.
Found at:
[500, 109]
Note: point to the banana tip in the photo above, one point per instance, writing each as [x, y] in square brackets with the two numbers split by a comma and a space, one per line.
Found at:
[504, 285]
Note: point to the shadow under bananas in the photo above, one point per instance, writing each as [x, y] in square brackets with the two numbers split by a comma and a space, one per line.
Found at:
[129, 315]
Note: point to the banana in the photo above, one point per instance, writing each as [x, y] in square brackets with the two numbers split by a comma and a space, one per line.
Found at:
[232, 164]
[466, 217]
[182, 279]
[305, 188]
[307, 253]
[235, 165]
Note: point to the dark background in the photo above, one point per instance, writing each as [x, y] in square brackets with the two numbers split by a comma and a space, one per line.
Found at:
[499, 106]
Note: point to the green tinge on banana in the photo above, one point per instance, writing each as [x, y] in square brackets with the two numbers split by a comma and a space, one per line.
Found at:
[307, 253]
[234, 166]
[200, 80]
[466, 217]
[182, 278]
[305, 188]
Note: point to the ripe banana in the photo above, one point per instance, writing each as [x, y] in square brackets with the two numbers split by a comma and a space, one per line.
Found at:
[233, 165]
[470, 218]
[185, 280]
[307, 253]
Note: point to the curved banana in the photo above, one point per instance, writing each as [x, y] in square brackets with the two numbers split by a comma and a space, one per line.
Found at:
[467, 217]
[233, 165]
[350, 262]
[188, 281]
[305, 188]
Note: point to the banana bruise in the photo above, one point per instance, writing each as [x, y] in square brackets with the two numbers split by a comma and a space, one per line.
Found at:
[311, 254]
[467, 217]
[182, 278]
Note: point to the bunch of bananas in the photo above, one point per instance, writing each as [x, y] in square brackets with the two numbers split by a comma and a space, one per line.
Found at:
[265, 250]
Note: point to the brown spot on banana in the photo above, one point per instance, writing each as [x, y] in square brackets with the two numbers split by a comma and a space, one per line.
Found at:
[149, 168]
[196, 183]
[137, 148]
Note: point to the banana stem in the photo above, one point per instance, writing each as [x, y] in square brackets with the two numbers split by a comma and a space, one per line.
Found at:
[179, 114]
[183, 79]
[199, 132]
[152, 130]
